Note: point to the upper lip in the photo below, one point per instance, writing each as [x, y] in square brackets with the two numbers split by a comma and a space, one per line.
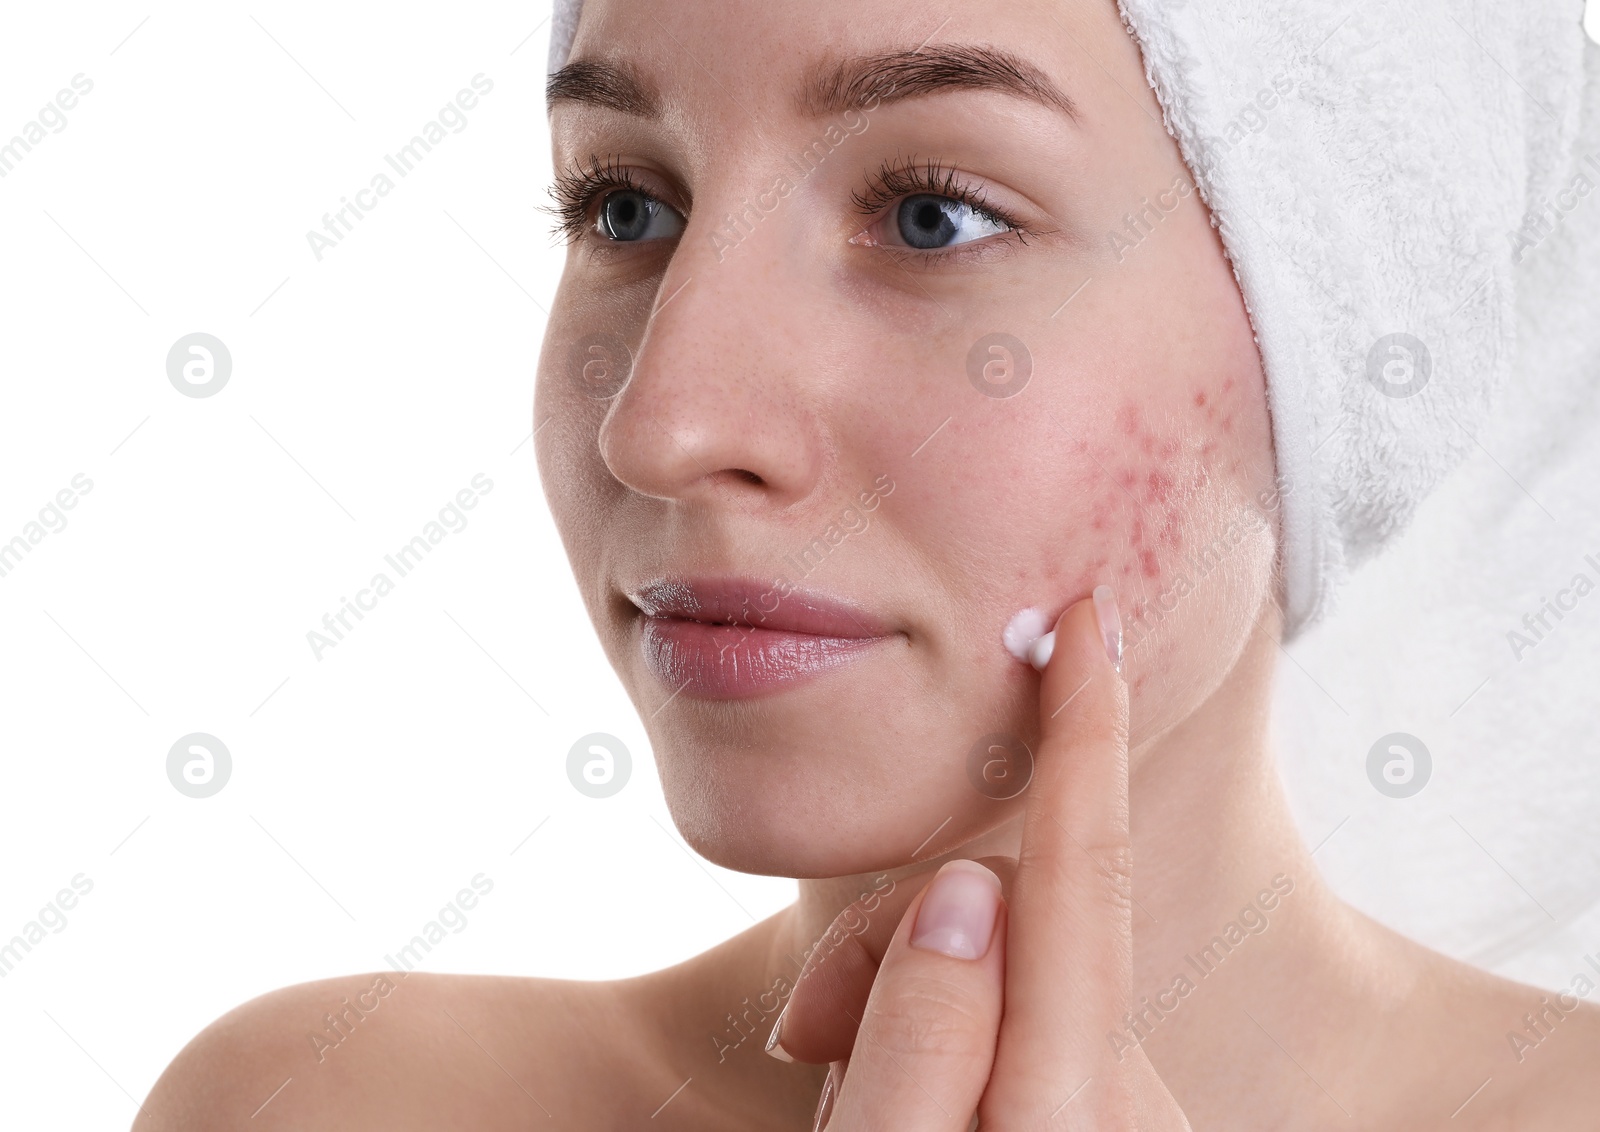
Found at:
[762, 605]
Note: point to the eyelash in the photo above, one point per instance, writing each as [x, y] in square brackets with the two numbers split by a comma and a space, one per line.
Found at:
[897, 179]
[576, 191]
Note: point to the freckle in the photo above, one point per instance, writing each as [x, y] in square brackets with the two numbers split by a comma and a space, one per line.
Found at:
[1148, 563]
[1200, 399]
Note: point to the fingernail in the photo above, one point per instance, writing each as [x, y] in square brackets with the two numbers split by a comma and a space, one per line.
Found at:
[825, 1103]
[958, 913]
[1105, 611]
[773, 1039]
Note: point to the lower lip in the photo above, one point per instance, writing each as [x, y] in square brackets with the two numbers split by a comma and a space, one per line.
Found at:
[730, 662]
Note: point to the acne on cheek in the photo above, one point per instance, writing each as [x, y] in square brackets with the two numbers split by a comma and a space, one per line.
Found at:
[1156, 479]
[1149, 476]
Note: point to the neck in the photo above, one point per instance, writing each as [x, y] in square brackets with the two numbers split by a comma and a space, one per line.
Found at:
[1229, 908]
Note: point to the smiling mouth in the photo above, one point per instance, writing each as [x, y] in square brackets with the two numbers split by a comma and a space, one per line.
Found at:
[731, 638]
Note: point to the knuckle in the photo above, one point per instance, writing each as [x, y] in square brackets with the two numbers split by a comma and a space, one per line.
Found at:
[1116, 870]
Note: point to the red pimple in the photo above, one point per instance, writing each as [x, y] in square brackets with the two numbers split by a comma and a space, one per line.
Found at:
[1148, 563]
[1128, 419]
[1200, 399]
[1160, 486]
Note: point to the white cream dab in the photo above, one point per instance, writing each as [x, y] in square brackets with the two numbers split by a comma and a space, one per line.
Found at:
[1026, 639]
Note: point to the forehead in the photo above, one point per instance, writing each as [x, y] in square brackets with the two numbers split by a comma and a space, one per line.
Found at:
[746, 59]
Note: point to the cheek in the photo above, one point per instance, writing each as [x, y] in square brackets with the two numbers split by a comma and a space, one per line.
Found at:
[1186, 543]
[1154, 495]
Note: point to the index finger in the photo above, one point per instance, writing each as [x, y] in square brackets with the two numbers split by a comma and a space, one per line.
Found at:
[1070, 954]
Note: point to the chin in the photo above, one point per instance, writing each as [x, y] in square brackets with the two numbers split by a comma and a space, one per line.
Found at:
[850, 773]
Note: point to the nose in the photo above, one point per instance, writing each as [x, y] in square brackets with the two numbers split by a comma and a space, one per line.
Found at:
[724, 394]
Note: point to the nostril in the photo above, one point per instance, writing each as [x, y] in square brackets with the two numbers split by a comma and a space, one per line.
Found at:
[747, 477]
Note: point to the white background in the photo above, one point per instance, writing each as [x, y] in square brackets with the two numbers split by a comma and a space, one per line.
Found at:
[367, 389]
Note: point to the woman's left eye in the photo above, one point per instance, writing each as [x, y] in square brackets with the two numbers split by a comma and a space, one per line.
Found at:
[628, 216]
[928, 222]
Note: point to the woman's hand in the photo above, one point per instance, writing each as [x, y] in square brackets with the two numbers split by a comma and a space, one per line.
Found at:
[979, 1004]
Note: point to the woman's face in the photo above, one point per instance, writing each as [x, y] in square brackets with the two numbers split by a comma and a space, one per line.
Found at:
[922, 323]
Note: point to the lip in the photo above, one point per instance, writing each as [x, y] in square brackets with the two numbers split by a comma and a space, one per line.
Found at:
[735, 638]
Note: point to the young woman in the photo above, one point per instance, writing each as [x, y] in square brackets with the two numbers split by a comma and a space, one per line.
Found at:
[877, 329]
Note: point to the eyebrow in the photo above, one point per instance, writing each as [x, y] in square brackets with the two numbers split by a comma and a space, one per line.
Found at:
[894, 76]
[616, 86]
[832, 88]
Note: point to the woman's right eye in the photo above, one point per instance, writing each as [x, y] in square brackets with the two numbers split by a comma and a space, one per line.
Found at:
[628, 216]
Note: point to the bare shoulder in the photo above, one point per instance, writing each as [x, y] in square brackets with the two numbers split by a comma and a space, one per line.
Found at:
[397, 1051]
[1514, 1056]
[1548, 1079]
